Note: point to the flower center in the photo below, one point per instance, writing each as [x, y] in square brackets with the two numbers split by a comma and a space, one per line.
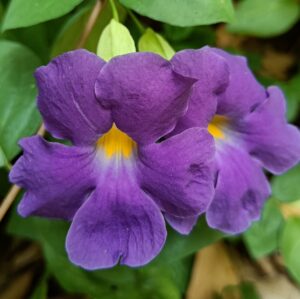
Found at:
[116, 143]
[217, 125]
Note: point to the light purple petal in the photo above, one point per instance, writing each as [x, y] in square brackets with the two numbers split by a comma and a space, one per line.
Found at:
[269, 137]
[146, 96]
[241, 191]
[178, 172]
[118, 223]
[67, 99]
[183, 225]
[244, 92]
[57, 178]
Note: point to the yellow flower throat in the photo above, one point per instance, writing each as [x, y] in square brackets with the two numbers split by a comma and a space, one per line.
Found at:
[116, 143]
[216, 126]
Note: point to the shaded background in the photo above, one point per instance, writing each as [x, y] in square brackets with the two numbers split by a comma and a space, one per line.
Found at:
[262, 263]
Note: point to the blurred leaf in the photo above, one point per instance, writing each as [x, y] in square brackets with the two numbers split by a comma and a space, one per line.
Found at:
[248, 291]
[245, 290]
[189, 37]
[184, 13]
[151, 41]
[22, 13]
[291, 90]
[265, 18]
[33, 37]
[1, 12]
[179, 246]
[115, 40]
[18, 113]
[40, 291]
[181, 271]
[290, 246]
[263, 236]
[286, 187]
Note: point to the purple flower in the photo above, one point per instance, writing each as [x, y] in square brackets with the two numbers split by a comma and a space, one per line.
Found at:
[116, 182]
[250, 132]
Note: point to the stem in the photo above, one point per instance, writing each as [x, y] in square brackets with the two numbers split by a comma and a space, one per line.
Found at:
[90, 23]
[114, 10]
[8, 200]
[136, 21]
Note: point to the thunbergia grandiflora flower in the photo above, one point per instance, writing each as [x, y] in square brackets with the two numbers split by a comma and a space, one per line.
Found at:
[119, 177]
[250, 131]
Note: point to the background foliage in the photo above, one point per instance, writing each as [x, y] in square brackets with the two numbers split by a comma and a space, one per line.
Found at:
[34, 31]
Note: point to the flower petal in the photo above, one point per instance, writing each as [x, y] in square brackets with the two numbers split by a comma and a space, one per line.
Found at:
[57, 178]
[241, 191]
[178, 172]
[183, 225]
[118, 223]
[67, 99]
[269, 137]
[145, 95]
[244, 92]
[212, 72]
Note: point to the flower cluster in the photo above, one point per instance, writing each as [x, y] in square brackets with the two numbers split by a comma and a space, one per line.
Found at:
[152, 141]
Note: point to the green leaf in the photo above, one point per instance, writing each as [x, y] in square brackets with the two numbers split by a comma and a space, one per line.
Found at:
[244, 290]
[30, 12]
[151, 41]
[40, 291]
[179, 246]
[291, 90]
[18, 113]
[262, 238]
[265, 18]
[189, 37]
[115, 40]
[290, 246]
[184, 13]
[286, 187]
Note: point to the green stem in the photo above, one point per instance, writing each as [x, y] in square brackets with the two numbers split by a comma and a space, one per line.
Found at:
[136, 21]
[114, 10]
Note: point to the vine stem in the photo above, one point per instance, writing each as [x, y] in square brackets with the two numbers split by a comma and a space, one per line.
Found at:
[114, 10]
[14, 190]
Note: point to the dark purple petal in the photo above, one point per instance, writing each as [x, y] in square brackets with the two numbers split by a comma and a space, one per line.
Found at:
[269, 137]
[241, 191]
[146, 96]
[183, 225]
[57, 178]
[212, 73]
[67, 99]
[178, 172]
[118, 223]
[244, 92]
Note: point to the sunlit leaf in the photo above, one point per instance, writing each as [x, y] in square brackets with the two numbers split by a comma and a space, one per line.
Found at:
[18, 113]
[265, 18]
[115, 40]
[151, 41]
[184, 13]
[26, 13]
